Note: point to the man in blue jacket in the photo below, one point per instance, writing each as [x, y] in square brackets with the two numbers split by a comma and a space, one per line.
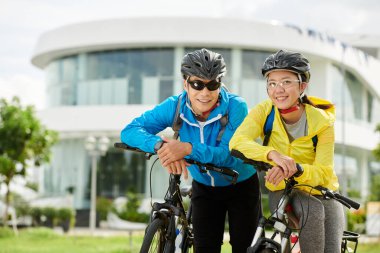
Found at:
[204, 137]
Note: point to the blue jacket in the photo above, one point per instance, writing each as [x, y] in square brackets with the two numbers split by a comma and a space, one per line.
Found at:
[141, 133]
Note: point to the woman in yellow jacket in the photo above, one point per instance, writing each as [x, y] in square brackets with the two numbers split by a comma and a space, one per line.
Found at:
[302, 133]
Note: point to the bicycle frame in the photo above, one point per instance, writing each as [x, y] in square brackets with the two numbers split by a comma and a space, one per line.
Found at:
[173, 211]
[277, 221]
[171, 215]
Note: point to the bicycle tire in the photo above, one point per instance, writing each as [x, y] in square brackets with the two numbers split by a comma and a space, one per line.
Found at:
[154, 239]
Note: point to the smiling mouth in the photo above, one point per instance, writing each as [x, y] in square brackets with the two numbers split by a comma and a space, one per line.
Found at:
[281, 98]
[204, 101]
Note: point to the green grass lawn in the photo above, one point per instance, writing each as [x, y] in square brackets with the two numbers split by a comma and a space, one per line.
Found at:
[43, 240]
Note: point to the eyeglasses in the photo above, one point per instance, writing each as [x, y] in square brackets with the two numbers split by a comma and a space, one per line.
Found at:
[271, 85]
[199, 85]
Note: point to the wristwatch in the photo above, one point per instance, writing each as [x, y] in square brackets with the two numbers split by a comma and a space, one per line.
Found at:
[158, 145]
[299, 171]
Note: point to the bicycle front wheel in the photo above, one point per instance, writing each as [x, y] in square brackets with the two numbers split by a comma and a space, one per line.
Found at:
[154, 239]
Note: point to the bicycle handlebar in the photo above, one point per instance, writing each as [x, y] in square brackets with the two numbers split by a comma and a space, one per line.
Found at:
[263, 166]
[222, 170]
[334, 195]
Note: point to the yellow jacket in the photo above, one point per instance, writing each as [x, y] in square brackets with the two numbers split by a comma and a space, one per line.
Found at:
[318, 165]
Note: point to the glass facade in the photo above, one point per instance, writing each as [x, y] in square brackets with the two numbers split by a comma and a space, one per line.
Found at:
[252, 85]
[119, 172]
[112, 77]
[354, 102]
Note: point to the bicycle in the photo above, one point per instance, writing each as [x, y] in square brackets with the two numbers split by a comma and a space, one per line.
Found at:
[170, 229]
[280, 219]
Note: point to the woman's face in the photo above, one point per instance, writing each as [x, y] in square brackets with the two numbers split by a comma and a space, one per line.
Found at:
[284, 88]
[202, 100]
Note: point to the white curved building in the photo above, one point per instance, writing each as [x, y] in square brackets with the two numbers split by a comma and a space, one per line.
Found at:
[102, 74]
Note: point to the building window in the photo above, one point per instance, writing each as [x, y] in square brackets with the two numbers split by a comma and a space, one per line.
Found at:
[252, 84]
[355, 89]
[350, 107]
[62, 76]
[166, 89]
[120, 172]
[123, 76]
[252, 62]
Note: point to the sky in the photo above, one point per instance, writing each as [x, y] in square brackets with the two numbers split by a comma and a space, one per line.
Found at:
[22, 22]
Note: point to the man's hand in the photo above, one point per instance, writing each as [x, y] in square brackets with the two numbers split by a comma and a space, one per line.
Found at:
[178, 167]
[286, 163]
[172, 151]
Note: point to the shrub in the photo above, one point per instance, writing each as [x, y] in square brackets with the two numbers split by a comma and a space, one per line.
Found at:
[36, 213]
[103, 206]
[130, 212]
[50, 215]
[21, 205]
[356, 220]
[375, 188]
[64, 214]
[65, 218]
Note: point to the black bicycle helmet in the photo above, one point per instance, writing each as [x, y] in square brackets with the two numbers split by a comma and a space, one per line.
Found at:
[204, 64]
[287, 60]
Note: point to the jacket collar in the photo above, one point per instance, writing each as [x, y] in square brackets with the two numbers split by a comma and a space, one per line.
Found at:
[216, 113]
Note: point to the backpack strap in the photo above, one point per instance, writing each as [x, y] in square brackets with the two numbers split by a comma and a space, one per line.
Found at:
[268, 126]
[223, 122]
[315, 142]
[268, 130]
[177, 121]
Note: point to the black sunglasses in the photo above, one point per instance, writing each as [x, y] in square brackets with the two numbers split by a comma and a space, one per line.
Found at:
[199, 85]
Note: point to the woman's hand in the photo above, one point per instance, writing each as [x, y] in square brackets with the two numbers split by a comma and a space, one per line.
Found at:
[173, 150]
[286, 163]
[275, 175]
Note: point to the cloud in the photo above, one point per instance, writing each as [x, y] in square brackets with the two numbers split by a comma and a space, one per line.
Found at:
[30, 90]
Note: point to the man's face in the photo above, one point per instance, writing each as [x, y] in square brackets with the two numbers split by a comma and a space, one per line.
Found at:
[202, 100]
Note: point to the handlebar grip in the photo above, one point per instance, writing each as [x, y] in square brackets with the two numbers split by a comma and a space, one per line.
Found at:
[334, 195]
[261, 166]
[222, 170]
[127, 147]
[352, 203]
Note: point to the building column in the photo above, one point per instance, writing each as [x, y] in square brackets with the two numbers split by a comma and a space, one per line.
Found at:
[178, 55]
[364, 179]
[235, 70]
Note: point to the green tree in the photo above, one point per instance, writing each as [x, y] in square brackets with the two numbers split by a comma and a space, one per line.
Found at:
[23, 140]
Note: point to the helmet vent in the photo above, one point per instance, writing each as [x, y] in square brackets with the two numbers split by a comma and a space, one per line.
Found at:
[203, 64]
